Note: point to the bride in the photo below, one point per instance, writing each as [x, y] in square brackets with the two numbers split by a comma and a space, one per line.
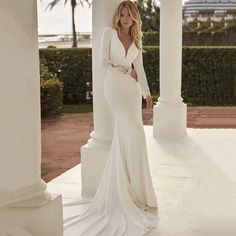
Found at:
[125, 195]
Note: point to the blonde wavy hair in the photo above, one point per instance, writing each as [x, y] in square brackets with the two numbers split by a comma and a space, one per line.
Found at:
[136, 28]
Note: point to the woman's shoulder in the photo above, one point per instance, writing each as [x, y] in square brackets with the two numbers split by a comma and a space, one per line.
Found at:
[108, 29]
[108, 32]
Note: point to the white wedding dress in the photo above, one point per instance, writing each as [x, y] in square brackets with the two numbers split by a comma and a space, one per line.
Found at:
[117, 207]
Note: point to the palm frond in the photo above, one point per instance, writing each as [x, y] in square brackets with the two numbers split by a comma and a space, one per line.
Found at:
[89, 3]
[82, 3]
[52, 4]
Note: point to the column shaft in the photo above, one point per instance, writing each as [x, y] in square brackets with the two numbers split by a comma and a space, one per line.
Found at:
[169, 118]
[93, 154]
[23, 199]
[20, 126]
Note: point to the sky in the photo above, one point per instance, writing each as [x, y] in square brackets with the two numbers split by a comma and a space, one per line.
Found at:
[58, 20]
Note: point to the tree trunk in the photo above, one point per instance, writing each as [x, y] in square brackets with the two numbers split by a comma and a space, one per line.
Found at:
[73, 5]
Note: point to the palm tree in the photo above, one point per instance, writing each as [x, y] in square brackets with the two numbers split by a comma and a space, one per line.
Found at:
[73, 4]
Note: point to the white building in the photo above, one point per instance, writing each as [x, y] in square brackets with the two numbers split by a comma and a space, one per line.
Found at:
[215, 10]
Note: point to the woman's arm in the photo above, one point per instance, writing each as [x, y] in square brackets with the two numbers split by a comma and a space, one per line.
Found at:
[104, 60]
[142, 79]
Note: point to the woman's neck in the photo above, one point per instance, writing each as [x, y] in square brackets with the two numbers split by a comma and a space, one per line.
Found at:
[125, 31]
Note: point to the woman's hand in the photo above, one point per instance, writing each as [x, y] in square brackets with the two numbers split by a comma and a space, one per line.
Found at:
[134, 74]
[149, 102]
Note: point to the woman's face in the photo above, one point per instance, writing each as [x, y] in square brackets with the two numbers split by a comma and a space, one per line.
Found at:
[125, 18]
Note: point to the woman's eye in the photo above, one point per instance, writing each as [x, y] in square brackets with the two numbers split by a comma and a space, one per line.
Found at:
[123, 15]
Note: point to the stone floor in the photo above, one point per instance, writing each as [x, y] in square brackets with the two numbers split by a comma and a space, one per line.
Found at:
[194, 180]
[63, 136]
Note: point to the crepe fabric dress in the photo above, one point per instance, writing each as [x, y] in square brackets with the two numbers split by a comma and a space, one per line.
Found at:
[125, 188]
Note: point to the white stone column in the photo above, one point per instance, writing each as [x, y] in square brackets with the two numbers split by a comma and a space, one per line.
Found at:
[24, 203]
[169, 114]
[94, 153]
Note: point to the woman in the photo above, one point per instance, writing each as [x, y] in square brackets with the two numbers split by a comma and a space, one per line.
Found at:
[125, 192]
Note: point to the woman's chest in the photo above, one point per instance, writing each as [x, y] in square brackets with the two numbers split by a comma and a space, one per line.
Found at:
[120, 53]
[126, 42]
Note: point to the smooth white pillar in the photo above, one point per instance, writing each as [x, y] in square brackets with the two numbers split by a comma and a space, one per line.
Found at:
[94, 153]
[23, 199]
[169, 114]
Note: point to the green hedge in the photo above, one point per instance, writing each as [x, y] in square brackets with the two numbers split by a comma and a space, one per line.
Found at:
[151, 38]
[74, 68]
[151, 67]
[220, 38]
[208, 73]
[198, 38]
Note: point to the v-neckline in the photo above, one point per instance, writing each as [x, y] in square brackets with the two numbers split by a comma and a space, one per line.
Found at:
[126, 52]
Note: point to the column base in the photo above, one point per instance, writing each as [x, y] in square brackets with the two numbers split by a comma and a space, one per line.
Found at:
[170, 120]
[28, 192]
[93, 161]
[34, 216]
[14, 232]
[98, 141]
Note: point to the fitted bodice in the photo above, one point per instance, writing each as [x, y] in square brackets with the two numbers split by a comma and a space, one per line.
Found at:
[117, 51]
[112, 53]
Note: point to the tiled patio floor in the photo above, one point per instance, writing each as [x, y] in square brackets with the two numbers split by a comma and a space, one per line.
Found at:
[63, 136]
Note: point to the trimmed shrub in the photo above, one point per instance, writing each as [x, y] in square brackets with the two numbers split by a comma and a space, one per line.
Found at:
[51, 91]
[51, 96]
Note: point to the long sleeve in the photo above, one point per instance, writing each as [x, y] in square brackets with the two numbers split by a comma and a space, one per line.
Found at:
[142, 79]
[104, 60]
